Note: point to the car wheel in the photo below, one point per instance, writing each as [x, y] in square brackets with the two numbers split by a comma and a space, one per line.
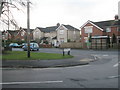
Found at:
[37, 49]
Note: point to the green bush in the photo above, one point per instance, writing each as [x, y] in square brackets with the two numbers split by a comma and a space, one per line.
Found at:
[46, 42]
[69, 40]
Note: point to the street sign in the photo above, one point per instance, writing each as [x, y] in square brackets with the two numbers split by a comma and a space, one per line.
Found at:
[66, 49]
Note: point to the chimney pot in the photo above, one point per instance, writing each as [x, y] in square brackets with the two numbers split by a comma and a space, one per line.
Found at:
[116, 17]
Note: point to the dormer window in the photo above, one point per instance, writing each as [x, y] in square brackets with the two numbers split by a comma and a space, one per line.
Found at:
[108, 29]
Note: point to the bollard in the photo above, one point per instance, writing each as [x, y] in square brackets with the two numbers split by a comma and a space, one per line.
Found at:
[63, 53]
[68, 52]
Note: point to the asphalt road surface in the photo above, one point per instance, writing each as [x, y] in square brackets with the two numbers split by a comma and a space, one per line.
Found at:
[102, 73]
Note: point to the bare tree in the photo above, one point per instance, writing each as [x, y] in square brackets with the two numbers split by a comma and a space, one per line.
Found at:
[6, 16]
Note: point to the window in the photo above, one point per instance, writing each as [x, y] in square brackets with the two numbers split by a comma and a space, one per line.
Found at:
[88, 29]
[61, 40]
[61, 31]
[108, 29]
[74, 32]
[37, 33]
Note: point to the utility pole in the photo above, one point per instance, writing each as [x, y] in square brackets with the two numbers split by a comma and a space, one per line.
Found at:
[119, 9]
[28, 29]
[8, 16]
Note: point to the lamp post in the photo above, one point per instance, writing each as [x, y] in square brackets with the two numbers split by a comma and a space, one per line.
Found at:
[28, 28]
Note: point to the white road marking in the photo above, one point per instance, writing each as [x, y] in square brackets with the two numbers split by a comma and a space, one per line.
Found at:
[78, 66]
[59, 68]
[116, 65]
[95, 56]
[8, 83]
[105, 55]
[110, 77]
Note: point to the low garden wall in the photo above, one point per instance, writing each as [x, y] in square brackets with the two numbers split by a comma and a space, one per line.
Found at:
[71, 45]
[45, 46]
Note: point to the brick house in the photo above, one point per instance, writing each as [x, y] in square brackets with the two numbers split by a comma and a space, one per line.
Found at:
[22, 34]
[9, 34]
[16, 34]
[103, 28]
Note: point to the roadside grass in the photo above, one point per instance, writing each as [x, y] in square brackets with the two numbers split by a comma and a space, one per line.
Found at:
[22, 55]
[0, 57]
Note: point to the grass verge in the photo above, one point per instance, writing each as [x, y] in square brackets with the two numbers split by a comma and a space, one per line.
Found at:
[22, 55]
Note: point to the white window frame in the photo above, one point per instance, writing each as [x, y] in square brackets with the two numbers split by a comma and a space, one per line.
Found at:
[88, 29]
[61, 31]
[108, 29]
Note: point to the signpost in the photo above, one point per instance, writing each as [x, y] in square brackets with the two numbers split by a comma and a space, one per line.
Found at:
[66, 50]
[88, 30]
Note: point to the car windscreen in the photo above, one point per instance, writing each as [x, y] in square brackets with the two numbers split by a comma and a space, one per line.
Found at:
[15, 44]
[34, 45]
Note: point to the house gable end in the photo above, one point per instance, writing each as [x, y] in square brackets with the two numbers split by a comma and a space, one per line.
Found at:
[8, 33]
[61, 27]
[37, 30]
[69, 27]
[92, 24]
[20, 31]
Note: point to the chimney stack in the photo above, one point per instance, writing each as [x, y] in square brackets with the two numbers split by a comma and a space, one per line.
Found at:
[116, 17]
[58, 24]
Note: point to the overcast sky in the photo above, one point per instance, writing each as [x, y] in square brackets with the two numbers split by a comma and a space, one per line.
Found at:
[46, 13]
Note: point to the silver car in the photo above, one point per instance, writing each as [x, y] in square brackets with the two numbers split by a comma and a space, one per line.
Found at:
[33, 47]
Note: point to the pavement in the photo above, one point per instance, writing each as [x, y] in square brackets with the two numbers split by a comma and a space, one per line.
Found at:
[76, 60]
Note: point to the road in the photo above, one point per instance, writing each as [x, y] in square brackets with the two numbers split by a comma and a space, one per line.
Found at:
[102, 73]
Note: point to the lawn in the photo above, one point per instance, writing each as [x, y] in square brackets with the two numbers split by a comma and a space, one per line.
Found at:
[22, 55]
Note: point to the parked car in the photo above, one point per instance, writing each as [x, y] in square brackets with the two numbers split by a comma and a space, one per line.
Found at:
[33, 47]
[14, 45]
[23, 44]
